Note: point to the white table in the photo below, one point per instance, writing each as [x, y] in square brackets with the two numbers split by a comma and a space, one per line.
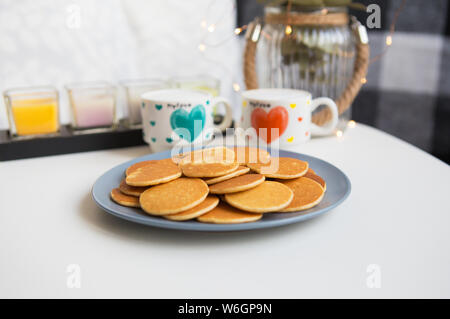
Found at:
[397, 218]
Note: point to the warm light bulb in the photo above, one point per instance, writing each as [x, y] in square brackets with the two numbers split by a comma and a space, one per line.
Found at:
[363, 80]
[351, 124]
[202, 47]
[288, 30]
[236, 87]
[388, 40]
[339, 133]
[211, 28]
[237, 31]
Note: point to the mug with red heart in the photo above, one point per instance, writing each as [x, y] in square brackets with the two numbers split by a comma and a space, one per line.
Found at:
[284, 115]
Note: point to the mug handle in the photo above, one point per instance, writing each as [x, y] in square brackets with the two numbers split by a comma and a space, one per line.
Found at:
[328, 128]
[228, 112]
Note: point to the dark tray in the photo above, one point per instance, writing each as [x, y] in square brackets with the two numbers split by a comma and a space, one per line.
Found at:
[67, 142]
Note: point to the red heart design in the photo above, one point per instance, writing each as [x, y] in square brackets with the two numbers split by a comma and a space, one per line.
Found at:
[278, 117]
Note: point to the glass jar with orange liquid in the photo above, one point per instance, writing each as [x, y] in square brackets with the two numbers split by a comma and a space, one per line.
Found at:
[32, 111]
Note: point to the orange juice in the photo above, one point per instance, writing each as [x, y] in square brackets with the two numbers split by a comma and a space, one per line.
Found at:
[35, 115]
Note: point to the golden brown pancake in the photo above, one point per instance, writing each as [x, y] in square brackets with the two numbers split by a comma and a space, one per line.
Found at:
[131, 190]
[174, 197]
[241, 170]
[237, 184]
[317, 179]
[208, 204]
[281, 167]
[307, 193]
[267, 197]
[152, 173]
[225, 214]
[245, 155]
[123, 199]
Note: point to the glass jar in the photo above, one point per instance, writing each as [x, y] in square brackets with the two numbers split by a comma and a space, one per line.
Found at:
[32, 111]
[93, 106]
[315, 58]
[133, 90]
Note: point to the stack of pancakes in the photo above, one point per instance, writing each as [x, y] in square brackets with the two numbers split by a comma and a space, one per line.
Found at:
[220, 185]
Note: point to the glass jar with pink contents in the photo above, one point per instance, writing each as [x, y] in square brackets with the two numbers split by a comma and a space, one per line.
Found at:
[93, 105]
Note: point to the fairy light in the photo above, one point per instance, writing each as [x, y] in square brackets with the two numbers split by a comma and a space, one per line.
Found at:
[363, 80]
[211, 28]
[389, 40]
[236, 87]
[339, 133]
[288, 30]
[202, 47]
[351, 124]
[237, 31]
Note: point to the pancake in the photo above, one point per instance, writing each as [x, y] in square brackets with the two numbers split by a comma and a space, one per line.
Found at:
[225, 214]
[307, 193]
[208, 204]
[237, 184]
[174, 197]
[123, 199]
[267, 197]
[281, 167]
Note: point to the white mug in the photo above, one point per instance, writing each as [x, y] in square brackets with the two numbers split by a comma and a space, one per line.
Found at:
[284, 115]
[172, 116]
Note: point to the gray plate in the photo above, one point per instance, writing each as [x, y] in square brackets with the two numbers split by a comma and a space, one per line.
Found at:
[338, 189]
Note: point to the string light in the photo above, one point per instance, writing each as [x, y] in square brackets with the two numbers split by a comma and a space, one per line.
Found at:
[202, 47]
[288, 30]
[389, 40]
[351, 124]
[339, 133]
[211, 28]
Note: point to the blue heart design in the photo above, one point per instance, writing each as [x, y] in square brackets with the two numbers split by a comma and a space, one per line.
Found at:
[152, 123]
[158, 106]
[169, 140]
[181, 119]
[153, 139]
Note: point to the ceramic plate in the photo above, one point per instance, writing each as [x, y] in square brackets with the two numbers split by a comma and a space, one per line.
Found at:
[338, 189]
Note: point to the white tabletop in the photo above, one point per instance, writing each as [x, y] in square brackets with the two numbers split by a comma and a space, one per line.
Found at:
[390, 238]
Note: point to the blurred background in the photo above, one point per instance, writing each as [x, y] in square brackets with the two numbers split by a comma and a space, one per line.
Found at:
[55, 42]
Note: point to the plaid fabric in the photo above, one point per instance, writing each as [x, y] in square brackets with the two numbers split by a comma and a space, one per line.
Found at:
[407, 93]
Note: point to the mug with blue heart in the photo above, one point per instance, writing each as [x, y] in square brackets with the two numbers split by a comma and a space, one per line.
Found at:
[173, 116]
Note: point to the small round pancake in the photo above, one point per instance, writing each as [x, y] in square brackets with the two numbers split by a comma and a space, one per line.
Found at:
[209, 162]
[267, 197]
[245, 155]
[208, 204]
[316, 178]
[152, 173]
[208, 155]
[281, 167]
[225, 214]
[124, 200]
[131, 190]
[208, 169]
[174, 197]
[240, 171]
[237, 184]
[307, 193]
